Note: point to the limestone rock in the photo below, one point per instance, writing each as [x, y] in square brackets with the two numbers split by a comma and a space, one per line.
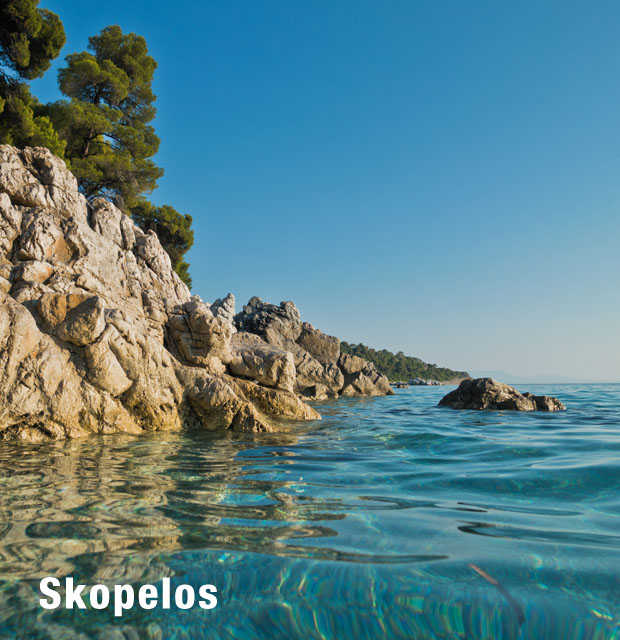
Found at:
[321, 370]
[280, 326]
[32, 271]
[224, 310]
[486, 393]
[318, 392]
[351, 364]
[545, 403]
[10, 222]
[198, 337]
[319, 345]
[106, 220]
[253, 358]
[44, 394]
[103, 368]
[276, 402]
[42, 238]
[37, 178]
[97, 332]
[311, 372]
[217, 404]
[75, 318]
[99, 335]
[362, 378]
[357, 384]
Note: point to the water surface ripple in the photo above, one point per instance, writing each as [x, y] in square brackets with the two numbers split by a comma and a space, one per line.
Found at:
[390, 518]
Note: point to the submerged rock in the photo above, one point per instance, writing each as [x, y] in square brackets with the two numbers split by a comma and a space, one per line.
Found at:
[486, 393]
[98, 334]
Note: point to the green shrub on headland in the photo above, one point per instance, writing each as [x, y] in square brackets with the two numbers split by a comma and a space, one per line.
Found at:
[398, 366]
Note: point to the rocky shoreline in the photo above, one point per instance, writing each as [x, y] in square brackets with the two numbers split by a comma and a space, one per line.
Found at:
[99, 335]
[426, 382]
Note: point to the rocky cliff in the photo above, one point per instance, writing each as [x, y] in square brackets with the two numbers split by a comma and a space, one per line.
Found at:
[322, 371]
[99, 335]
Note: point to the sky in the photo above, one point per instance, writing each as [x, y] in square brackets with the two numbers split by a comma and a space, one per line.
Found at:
[439, 178]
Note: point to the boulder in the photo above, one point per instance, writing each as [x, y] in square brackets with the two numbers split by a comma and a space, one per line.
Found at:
[277, 325]
[255, 359]
[197, 337]
[75, 318]
[545, 403]
[318, 392]
[486, 393]
[275, 402]
[213, 403]
[349, 364]
[361, 377]
[324, 348]
[310, 372]
[32, 271]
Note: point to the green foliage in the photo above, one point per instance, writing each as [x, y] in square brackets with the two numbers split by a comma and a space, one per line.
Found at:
[20, 122]
[105, 122]
[30, 38]
[172, 229]
[398, 366]
[102, 130]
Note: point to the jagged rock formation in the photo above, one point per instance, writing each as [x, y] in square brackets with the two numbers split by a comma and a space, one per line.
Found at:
[97, 332]
[321, 370]
[99, 335]
[486, 393]
[224, 309]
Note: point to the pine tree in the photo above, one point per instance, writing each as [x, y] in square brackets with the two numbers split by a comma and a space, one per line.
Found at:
[105, 123]
[172, 229]
[30, 38]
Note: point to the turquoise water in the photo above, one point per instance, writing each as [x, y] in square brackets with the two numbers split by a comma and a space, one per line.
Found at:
[381, 520]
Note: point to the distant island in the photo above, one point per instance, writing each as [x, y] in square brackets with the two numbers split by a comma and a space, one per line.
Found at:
[398, 366]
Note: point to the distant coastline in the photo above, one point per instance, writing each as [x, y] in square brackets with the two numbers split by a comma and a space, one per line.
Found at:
[545, 378]
[399, 367]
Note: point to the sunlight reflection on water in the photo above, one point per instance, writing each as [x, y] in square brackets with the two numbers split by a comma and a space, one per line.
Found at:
[363, 525]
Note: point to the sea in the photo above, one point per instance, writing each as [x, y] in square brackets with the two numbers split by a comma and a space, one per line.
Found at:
[389, 518]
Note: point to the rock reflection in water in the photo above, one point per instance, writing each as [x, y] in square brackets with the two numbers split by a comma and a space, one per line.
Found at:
[112, 509]
[77, 504]
[366, 525]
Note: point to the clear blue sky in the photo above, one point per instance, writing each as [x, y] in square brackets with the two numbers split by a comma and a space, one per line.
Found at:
[437, 177]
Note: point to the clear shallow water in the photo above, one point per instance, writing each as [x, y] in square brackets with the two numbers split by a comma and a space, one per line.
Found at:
[363, 525]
